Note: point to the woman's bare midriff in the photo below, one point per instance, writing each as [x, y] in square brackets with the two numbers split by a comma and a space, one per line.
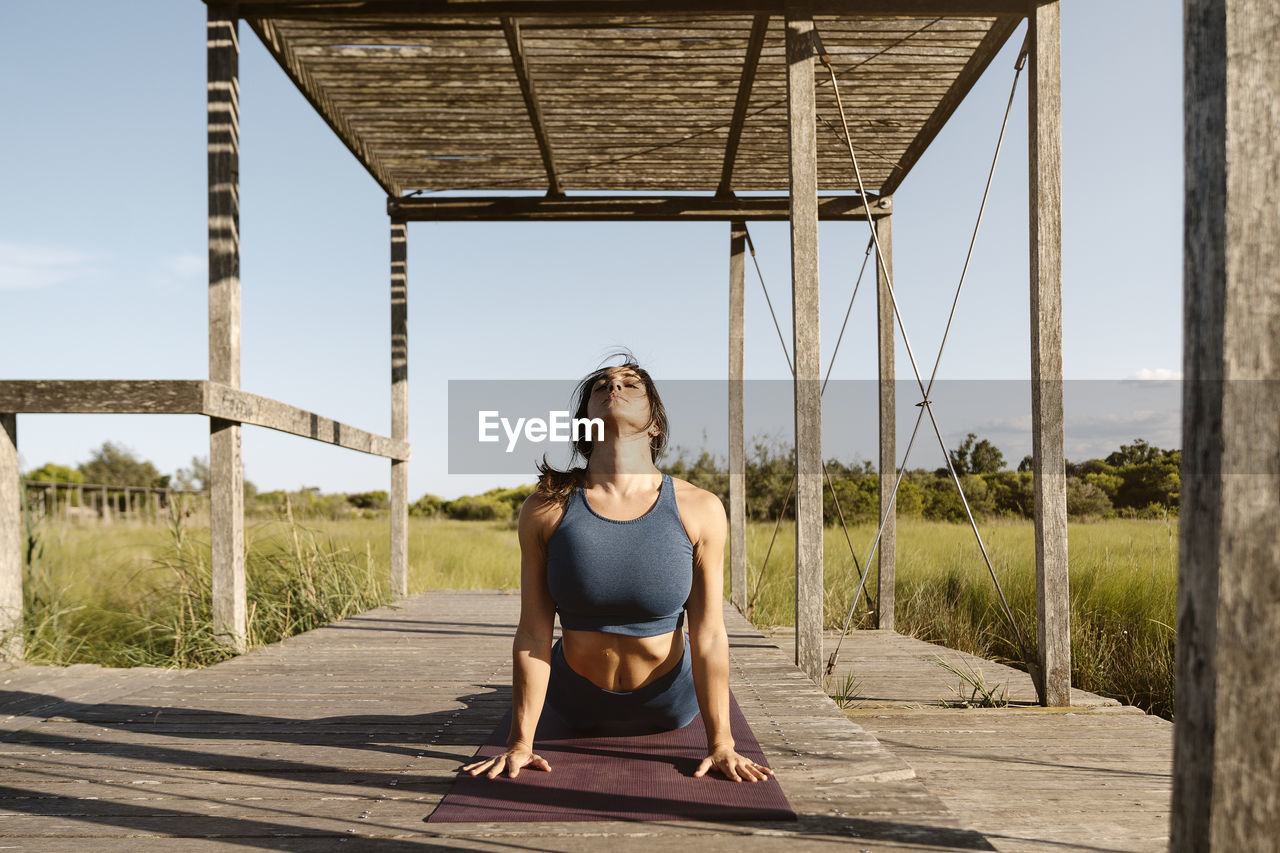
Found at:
[620, 663]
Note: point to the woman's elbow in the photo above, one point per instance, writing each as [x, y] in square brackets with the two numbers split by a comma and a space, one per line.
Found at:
[536, 640]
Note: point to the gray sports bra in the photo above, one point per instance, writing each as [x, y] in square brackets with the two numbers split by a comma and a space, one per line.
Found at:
[628, 577]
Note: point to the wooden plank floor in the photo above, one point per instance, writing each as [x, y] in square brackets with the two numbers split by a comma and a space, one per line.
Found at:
[1093, 777]
[346, 738]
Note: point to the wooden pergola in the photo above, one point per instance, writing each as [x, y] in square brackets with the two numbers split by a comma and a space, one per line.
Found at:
[692, 102]
[637, 110]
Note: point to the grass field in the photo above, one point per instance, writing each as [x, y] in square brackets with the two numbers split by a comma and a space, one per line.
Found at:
[131, 595]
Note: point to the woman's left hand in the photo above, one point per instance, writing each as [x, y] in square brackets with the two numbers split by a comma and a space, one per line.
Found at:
[734, 766]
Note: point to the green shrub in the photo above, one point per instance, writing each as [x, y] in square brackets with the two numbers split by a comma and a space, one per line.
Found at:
[479, 508]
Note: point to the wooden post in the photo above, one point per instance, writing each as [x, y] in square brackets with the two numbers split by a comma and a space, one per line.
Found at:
[887, 551]
[11, 639]
[1045, 158]
[399, 406]
[1226, 757]
[737, 454]
[226, 467]
[801, 123]
[106, 506]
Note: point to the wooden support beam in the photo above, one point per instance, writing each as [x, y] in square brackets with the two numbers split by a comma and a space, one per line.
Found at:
[320, 102]
[511, 29]
[187, 397]
[226, 467]
[399, 406]
[737, 453]
[749, 64]
[1045, 160]
[802, 134]
[490, 9]
[1226, 757]
[628, 208]
[103, 396]
[886, 553]
[11, 557]
[959, 90]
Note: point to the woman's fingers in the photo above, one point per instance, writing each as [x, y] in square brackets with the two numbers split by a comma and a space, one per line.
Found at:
[736, 767]
[535, 761]
[511, 762]
[477, 767]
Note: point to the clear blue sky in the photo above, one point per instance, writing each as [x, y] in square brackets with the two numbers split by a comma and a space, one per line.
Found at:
[103, 242]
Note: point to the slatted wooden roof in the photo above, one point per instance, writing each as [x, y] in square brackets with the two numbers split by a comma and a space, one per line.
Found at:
[516, 96]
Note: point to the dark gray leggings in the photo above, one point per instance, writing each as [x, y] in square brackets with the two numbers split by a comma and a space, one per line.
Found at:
[667, 703]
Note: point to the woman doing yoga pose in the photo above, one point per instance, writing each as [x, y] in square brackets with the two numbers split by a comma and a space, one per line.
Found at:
[621, 551]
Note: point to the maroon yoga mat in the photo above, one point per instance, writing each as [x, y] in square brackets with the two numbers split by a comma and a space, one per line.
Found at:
[646, 777]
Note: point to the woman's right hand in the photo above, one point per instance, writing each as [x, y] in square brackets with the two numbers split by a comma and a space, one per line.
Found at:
[511, 761]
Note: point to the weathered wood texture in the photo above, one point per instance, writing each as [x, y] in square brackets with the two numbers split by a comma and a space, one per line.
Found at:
[11, 557]
[399, 406]
[1045, 161]
[807, 342]
[367, 9]
[897, 672]
[1032, 780]
[981, 57]
[353, 733]
[103, 396]
[319, 100]
[627, 208]
[737, 436]
[188, 397]
[511, 30]
[629, 97]
[236, 405]
[1035, 780]
[1227, 773]
[226, 465]
[750, 63]
[887, 550]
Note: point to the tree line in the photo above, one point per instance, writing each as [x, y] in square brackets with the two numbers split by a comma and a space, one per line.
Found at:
[1139, 480]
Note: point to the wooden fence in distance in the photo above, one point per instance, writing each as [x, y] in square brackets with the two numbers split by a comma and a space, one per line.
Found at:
[100, 503]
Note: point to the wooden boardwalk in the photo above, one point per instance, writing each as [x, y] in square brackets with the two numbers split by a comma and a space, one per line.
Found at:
[1093, 777]
[345, 738]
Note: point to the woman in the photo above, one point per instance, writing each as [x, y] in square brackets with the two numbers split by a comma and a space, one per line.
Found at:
[621, 551]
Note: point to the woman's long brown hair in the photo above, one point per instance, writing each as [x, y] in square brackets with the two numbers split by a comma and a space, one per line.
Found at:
[557, 485]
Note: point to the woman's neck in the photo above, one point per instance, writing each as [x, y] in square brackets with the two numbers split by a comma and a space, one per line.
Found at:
[621, 464]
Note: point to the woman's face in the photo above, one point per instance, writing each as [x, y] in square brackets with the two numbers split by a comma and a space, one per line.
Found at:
[620, 396]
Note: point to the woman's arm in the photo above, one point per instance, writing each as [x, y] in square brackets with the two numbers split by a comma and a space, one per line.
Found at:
[531, 649]
[710, 641]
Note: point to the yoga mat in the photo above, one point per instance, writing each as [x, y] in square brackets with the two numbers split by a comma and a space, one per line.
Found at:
[645, 777]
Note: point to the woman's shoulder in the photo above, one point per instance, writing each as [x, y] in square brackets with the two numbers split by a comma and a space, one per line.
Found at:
[540, 515]
[699, 509]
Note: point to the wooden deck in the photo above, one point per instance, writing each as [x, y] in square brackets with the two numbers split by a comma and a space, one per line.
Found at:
[345, 738]
[1093, 777]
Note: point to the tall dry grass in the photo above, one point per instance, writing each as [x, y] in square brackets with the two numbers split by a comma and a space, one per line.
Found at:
[127, 596]
[1123, 592]
[135, 596]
